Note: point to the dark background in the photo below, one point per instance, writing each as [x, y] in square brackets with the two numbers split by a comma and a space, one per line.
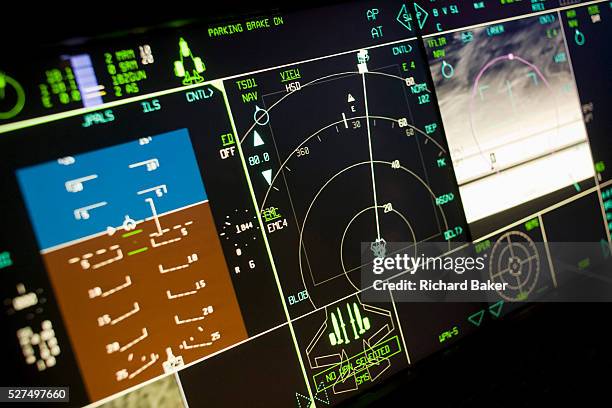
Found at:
[542, 355]
[25, 25]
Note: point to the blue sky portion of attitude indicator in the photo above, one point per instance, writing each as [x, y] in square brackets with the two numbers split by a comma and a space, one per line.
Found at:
[78, 196]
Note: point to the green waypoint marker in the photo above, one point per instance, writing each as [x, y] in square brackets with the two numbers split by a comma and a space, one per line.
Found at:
[476, 318]
[496, 308]
[522, 296]
[5, 259]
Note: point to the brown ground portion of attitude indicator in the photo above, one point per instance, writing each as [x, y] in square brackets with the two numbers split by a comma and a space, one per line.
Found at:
[107, 346]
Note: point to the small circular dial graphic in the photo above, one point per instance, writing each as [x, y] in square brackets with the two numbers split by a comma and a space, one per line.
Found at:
[515, 261]
[12, 97]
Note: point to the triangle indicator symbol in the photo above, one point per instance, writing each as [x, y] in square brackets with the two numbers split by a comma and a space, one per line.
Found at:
[350, 98]
[421, 15]
[257, 140]
[267, 175]
[306, 400]
[476, 318]
[495, 308]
